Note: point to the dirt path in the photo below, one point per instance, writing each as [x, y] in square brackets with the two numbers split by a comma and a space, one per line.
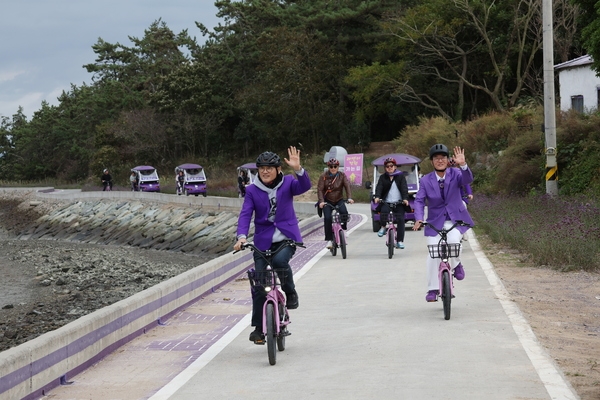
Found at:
[563, 309]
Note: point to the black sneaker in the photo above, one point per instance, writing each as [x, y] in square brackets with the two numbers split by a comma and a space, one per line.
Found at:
[257, 337]
[291, 300]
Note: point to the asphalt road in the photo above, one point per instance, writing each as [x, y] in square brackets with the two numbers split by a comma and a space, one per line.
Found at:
[363, 331]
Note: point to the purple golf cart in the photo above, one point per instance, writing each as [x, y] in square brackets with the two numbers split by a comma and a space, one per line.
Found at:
[193, 180]
[409, 165]
[146, 179]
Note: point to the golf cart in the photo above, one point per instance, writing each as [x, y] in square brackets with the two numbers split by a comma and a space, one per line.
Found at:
[193, 180]
[146, 179]
[409, 165]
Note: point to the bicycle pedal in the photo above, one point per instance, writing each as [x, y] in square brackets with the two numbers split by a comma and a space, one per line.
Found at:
[262, 341]
[285, 333]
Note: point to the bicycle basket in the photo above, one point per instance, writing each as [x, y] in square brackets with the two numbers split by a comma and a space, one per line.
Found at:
[444, 250]
[265, 277]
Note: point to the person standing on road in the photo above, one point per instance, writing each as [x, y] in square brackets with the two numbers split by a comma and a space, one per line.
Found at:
[441, 191]
[392, 188]
[243, 181]
[330, 190]
[180, 182]
[106, 179]
[270, 199]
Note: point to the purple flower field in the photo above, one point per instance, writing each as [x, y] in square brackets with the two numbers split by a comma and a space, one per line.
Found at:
[562, 233]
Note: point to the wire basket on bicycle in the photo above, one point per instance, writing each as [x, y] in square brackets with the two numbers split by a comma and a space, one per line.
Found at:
[266, 279]
[444, 250]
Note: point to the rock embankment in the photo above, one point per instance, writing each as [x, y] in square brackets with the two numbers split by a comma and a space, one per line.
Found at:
[62, 260]
[138, 224]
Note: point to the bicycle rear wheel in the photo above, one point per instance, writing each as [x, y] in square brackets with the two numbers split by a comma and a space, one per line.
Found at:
[446, 294]
[282, 329]
[343, 244]
[391, 241]
[271, 332]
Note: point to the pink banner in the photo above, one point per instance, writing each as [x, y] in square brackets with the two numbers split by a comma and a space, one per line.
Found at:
[353, 168]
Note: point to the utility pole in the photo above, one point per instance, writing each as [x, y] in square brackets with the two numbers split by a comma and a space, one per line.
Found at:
[549, 106]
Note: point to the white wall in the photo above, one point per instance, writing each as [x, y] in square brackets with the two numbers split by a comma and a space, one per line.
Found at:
[579, 81]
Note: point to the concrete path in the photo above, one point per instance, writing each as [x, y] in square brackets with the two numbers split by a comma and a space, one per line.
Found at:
[363, 331]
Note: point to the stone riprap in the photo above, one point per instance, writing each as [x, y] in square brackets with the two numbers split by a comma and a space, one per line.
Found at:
[139, 224]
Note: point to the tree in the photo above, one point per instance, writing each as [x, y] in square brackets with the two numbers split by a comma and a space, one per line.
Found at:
[142, 66]
[449, 52]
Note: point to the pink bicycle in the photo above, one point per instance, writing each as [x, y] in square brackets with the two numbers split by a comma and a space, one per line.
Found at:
[444, 251]
[339, 237]
[275, 314]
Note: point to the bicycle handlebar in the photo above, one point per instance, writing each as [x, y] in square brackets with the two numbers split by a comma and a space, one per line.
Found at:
[444, 231]
[285, 243]
[336, 206]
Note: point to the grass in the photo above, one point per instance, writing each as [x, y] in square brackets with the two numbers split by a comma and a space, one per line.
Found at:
[562, 233]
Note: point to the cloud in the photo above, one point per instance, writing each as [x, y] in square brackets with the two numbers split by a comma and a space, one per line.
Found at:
[30, 102]
[6, 76]
[45, 44]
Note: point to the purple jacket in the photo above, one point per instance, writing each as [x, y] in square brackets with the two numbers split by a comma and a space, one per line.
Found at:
[257, 202]
[430, 192]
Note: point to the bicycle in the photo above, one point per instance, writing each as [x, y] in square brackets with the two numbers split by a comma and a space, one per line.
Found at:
[390, 238]
[444, 251]
[274, 322]
[339, 237]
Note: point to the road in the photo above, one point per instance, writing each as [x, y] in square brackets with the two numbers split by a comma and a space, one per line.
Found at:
[363, 330]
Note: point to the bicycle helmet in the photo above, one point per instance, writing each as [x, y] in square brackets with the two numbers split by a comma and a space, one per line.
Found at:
[268, 159]
[105, 170]
[333, 162]
[390, 160]
[438, 149]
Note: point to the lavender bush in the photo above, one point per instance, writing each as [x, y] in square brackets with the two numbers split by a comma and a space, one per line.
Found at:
[561, 232]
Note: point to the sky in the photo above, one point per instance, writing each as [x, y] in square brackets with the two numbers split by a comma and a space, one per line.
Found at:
[45, 43]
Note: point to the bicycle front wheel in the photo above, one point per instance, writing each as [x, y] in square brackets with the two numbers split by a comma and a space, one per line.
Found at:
[446, 294]
[282, 329]
[343, 244]
[271, 332]
[390, 242]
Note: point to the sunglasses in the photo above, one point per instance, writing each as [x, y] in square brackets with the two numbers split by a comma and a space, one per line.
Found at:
[390, 166]
[333, 167]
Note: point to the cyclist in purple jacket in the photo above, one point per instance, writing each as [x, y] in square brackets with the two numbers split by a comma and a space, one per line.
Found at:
[441, 190]
[270, 198]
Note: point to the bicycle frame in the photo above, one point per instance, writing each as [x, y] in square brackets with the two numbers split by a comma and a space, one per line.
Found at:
[336, 225]
[275, 316]
[390, 224]
[391, 230]
[337, 230]
[445, 251]
[275, 296]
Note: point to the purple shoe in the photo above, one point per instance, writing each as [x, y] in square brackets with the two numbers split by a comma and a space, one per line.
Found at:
[432, 296]
[459, 272]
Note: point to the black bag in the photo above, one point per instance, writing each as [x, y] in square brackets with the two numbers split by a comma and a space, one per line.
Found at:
[407, 208]
[319, 210]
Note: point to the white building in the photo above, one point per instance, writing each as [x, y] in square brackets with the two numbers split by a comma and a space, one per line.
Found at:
[579, 87]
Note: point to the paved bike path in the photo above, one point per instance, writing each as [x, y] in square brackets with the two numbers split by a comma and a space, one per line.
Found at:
[363, 330]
